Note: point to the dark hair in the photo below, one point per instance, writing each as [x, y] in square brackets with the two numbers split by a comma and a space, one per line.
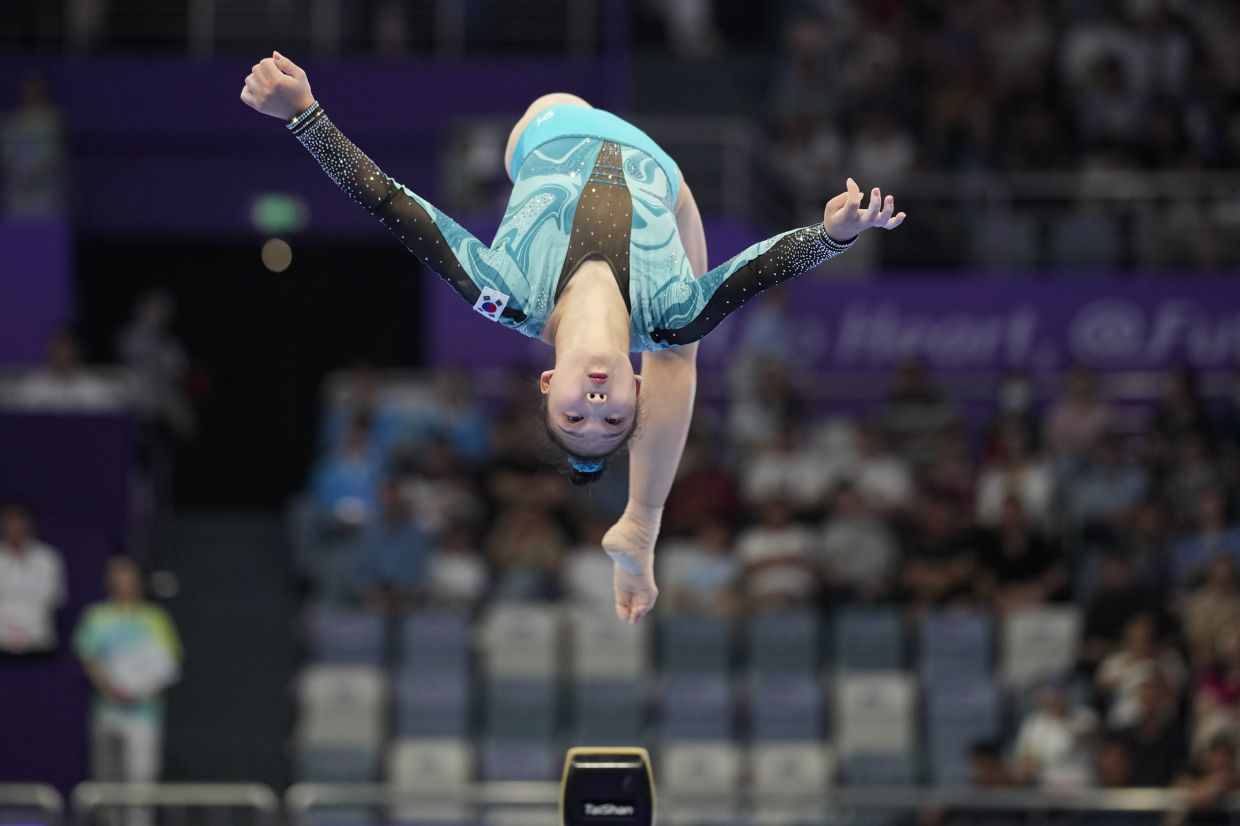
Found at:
[565, 457]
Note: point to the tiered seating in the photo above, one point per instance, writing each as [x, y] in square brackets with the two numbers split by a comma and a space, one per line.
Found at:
[610, 664]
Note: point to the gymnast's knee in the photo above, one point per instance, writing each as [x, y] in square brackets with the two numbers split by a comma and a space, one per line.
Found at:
[556, 99]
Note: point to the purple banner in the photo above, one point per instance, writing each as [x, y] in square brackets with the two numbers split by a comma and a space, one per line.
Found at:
[953, 323]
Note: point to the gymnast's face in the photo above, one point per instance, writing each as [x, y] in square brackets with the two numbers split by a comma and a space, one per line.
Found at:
[591, 400]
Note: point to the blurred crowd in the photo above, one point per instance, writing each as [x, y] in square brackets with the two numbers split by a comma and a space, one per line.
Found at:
[1060, 500]
[881, 89]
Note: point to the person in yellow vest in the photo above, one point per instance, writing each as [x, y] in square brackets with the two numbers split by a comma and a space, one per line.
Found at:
[131, 653]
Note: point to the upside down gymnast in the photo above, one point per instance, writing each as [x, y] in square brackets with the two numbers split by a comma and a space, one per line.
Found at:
[600, 253]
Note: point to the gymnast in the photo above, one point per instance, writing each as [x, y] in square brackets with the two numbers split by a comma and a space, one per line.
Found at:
[600, 253]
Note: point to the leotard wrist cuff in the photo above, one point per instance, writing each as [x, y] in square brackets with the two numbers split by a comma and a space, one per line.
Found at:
[302, 120]
[831, 244]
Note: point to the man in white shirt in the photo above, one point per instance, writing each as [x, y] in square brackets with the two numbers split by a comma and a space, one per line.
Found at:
[1055, 746]
[32, 585]
[64, 385]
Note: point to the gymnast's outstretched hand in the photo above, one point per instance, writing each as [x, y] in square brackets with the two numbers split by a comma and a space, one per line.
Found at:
[278, 87]
[630, 544]
[844, 219]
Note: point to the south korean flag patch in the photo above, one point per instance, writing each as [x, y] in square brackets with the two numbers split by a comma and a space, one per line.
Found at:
[491, 303]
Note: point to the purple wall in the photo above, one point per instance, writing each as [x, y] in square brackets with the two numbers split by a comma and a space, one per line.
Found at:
[36, 282]
[74, 472]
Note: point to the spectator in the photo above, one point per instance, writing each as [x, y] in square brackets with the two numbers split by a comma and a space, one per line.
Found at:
[1180, 413]
[704, 490]
[1215, 534]
[1209, 782]
[1114, 769]
[786, 469]
[362, 399]
[777, 555]
[915, 412]
[1216, 699]
[1142, 653]
[859, 554]
[32, 585]
[588, 571]
[457, 575]
[131, 653]
[158, 363]
[1119, 597]
[941, 559]
[986, 768]
[1016, 472]
[1078, 418]
[1020, 567]
[64, 386]
[526, 548]
[1193, 476]
[1056, 742]
[32, 154]
[390, 575]
[1155, 737]
[700, 574]
[1211, 611]
[880, 476]
[1107, 488]
[346, 482]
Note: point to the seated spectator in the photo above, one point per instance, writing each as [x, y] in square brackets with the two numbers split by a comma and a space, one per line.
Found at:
[390, 574]
[1214, 533]
[700, 574]
[1019, 566]
[1056, 742]
[1216, 699]
[1180, 413]
[1114, 769]
[64, 385]
[32, 585]
[704, 490]
[526, 548]
[131, 653]
[362, 398]
[1107, 488]
[859, 554]
[986, 767]
[948, 471]
[457, 575]
[941, 559]
[1119, 596]
[1210, 782]
[1016, 472]
[1195, 474]
[882, 478]
[346, 482]
[786, 469]
[1142, 653]
[777, 559]
[440, 489]
[1157, 743]
[1078, 418]
[915, 412]
[1211, 611]
[460, 418]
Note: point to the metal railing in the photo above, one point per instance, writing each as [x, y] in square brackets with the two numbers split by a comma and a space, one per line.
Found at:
[220, 804]
[24, 798]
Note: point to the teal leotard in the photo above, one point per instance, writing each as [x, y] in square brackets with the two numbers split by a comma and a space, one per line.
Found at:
[586, 183]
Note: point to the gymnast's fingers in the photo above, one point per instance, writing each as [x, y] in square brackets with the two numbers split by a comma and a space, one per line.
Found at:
[889, 206]
[871, 211]
[267, 71]
[253, 85]
[854, 193]
[247, 97]
[895, 222]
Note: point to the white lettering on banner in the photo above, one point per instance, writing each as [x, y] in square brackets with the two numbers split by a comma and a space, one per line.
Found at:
[884, 334]
[1119, 332]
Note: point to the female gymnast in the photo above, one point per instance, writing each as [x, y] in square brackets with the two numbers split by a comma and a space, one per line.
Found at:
[600, 253]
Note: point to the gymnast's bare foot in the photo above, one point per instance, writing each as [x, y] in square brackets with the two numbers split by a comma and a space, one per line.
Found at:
[630, 544]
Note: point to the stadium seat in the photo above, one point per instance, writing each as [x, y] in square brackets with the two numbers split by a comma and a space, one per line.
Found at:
[337, 764]
[875, 715]
[608, 712]
[869, 639]
[433, 703]
[435, 767]
[603, 648]
[344, 635]
[696, 708]
[517, 760]
[956, 643]
[1039, 642]
[710, 771]
[694, 644]
[342, 706]
[785, 707]
[435, 639]
[791, 766]
[520, 709]
[785, 642]
[959, 713]
[520, 641]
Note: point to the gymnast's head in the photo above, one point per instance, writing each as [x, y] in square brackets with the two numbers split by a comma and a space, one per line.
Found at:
[589, 408]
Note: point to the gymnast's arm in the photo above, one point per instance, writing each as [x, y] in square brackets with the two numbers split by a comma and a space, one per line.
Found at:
[279, 88]
[773, 261]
